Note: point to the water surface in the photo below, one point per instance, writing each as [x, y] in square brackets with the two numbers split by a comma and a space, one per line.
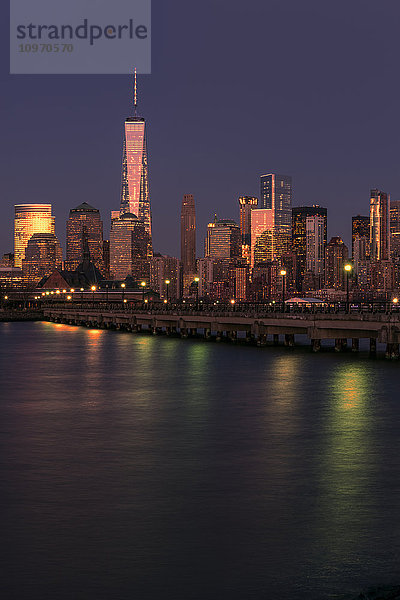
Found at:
[135, 466]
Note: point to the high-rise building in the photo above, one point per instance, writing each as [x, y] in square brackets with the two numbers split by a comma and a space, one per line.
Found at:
[135, 198]
[84, 220]
[128, 247]
[223, 239]
[360, 252]
[360, 227]
[395, 228]
[188, 234]
[379, 222]
[246, 204]
[336, 254]
[42, 256]
[315, 246]
[261, 235]
[299, 236]
[163, 269]
[276, 195]
[30, 219]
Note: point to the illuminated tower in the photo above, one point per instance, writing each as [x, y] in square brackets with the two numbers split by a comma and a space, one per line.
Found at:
[84, 216]
[188, 234]
[315, 246]
[360, 228]
[246, 204]
[223, 239]
[30, 219]
[262, 222]
[379, 222]
[299, 236]
[135, 197]
[276, 195]
[129, 242]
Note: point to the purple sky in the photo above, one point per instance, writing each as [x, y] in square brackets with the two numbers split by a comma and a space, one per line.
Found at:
[309, 89]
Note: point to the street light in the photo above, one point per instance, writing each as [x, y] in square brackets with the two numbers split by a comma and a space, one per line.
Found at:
[395, 302]
[143, 284]
[347, 269]
[123, 285]
[197, 279]
[233, 303]
[167, 282]
[93, 288]
[283, 275]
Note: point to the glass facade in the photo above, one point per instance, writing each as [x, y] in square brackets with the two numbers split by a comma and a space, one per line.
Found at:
[276, 195]
[135, 197]
[360, 227]
[129, 242]
[84, 219]
[246, 204]
[42, 256]
[299, 236]
[379, 223]
[223, 239]
[315, 261]
[262, 220]
[30, 219]
[188, 234]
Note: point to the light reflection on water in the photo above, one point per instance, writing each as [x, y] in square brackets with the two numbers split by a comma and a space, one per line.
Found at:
[142, 466]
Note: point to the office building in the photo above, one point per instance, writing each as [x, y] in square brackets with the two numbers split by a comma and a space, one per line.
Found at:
[315, 246]
[395, 228]
[84, 220]
[188, 241]
[129, 242]
[246, 206]
[299, 236]
[223, 239]
[30, 219]
[261, 235]
[163, 269]
[379, 223]
[336, 255]
[276, 195]
[135, 197]
[360, 227]
[42, 256]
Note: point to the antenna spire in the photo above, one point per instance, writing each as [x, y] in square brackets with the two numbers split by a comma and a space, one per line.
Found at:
[135, 97]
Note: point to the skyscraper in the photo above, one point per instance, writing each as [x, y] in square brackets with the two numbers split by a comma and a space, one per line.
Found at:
[246, 204]
[395, 228]
[315, 257]
[276, 195]
[42, 256]
[223, 239]
[360, 227]
[30, 219]
[188, 234]
[128, 247]
[379, 222]
[335, 256]
[135, 197]
[162, 269]
[84, 218]
[299, 235]
[262, 220]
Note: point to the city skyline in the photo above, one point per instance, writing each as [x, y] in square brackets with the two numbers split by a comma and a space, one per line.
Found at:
[319, 138]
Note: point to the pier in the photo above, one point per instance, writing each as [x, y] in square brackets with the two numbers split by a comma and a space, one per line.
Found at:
[346, 330]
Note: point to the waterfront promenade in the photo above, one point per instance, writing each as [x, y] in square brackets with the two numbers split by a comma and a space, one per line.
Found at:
[252, 327]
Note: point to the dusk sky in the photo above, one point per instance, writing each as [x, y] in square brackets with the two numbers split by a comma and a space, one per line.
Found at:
[309, 89]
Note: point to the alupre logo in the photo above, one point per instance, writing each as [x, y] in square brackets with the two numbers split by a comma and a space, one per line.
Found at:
[80, 36]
